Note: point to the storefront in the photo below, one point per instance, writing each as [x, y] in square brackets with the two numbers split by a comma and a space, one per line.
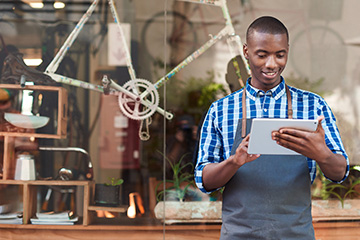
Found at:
[117, 97]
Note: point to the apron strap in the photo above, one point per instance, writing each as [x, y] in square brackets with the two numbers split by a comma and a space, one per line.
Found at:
[243, 121]
[288, 96]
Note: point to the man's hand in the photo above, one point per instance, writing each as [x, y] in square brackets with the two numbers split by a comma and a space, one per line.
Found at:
[241, 155]
[309, 144]
[216, 175]
[313, 146]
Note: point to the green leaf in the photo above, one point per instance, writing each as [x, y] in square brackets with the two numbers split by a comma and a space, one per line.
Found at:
[181, 180]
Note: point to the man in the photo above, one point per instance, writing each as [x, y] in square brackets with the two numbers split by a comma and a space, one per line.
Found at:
[268, 196]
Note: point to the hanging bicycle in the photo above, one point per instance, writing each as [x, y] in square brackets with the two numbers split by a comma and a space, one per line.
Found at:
[139, 98]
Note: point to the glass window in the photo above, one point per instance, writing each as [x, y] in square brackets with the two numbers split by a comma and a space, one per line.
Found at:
[136, 99]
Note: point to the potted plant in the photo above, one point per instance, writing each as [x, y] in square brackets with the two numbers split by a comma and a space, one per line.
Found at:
[108, 194]
[179, 184]
[181, 201]
[338, 201]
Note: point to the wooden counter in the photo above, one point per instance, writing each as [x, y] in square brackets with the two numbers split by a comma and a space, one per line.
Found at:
[109, 232]
[155, 230]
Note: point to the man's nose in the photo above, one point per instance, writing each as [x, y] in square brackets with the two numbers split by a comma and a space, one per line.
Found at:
[270, 62]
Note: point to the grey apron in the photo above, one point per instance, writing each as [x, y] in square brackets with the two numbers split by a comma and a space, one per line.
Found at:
[268, 198]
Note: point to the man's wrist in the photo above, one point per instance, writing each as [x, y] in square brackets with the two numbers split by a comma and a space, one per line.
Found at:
[325, 157]
[233, 161]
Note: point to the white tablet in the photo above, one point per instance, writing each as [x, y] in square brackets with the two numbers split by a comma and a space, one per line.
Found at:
[260, 134]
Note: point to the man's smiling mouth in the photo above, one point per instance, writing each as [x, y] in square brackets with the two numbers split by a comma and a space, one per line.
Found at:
[270, 74]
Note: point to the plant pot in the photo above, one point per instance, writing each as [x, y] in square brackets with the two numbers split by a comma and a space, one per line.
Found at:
[107, 195]
[192, 211]
[332, 210]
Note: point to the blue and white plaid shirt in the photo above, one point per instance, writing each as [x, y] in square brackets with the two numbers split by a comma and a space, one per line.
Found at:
[219, 127]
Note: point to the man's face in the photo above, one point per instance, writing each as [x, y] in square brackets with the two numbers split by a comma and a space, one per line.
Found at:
[267, 55]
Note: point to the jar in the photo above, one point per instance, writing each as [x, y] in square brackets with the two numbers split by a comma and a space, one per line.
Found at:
[25, 167]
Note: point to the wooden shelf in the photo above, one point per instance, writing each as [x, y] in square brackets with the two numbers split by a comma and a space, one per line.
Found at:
[61, 113]
[30, 195]
[120, 209]
[46, 182]
[9, 155]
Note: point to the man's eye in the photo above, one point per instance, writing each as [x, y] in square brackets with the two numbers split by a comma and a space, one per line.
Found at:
[281, 55]
[261, 55]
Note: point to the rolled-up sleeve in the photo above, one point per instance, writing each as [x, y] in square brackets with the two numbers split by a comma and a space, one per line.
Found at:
[210, 148]
[332, 135]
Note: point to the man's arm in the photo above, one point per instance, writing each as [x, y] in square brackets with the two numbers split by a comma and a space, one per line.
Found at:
[313, 146]
[216, 175]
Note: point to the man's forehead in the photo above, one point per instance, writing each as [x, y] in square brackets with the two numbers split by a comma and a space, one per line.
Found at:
[261, 35]
[261, 40]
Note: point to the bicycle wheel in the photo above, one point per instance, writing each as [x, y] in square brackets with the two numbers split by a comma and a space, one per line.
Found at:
[180, 35]
[319, 53]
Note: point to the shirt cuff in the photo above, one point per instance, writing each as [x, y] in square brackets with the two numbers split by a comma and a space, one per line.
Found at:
[199, 179]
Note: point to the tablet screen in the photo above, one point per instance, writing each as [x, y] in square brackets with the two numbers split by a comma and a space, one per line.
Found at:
[260, 134]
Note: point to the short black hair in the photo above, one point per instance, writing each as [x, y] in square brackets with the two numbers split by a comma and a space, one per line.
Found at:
[267, 24]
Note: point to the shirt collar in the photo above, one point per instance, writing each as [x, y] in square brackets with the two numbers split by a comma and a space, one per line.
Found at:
[275, 92]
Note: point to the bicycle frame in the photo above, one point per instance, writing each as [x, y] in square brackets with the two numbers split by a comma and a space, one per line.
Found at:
[228, 30]
[234, 43]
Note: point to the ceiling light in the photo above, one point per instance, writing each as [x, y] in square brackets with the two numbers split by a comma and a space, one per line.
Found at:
[59, 5]
[32, 56]
[34, 3]
[33, 62]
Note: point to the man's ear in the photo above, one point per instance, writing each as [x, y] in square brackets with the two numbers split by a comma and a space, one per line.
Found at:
[245, 51]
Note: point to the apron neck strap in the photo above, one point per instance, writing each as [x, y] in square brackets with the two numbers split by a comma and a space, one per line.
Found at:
[243, 121]
[288, 96]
